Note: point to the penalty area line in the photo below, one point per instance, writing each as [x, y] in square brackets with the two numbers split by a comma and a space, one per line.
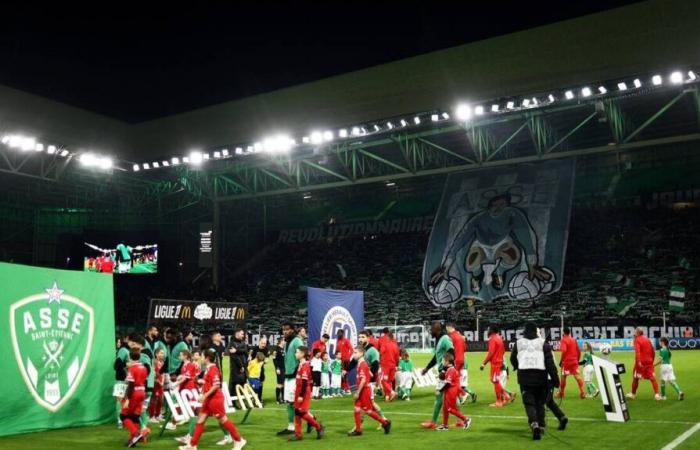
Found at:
[680, 439]
[496, 416]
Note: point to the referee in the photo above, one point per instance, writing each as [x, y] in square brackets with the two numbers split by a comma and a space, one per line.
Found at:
[532, 358]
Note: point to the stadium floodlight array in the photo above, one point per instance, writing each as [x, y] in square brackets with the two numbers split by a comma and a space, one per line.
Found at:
[462, 113]
[93, 160]
[24, 143]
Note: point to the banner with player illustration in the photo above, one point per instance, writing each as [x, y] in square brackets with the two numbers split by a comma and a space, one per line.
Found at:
[500, 232]
[332, 310]
[59, 345]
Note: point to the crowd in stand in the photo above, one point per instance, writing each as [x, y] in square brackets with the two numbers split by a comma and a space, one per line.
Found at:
[633, 255]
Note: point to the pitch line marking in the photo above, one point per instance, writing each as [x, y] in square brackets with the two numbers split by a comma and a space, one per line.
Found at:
[495, 416]
[679, 440]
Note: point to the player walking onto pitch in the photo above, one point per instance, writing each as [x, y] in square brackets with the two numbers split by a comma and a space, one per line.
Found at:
[443, 344]
[460, 347]
[293, 342]
[302, 396]
[451, 392]
[405, 376]
[363, 395]
[495, 357]
[588, 371]
[570, 354]
[132, 404]
[212, 401]
[667, 370]
[643, 364]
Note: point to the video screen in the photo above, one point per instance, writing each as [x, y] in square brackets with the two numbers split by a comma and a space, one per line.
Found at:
[120, 257]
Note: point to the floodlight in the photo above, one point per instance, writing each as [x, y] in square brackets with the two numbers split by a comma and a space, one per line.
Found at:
[677, 77]
[416, 120]
[104, 163]
[64, 153]
[196, 158]
[526, 102]
[479, 110]
[494, 107]
[551, 98]
[355, 131]
[328, 135]
[389, 125]
[175, 161]
[217, 155]
[602, 90]
[657, 80]
[6, 139]
[146, 166]
[136, 168]
[434, 117]
[622, 86]
[403, 123]
[569, 95]
[51, 149]
[156, 165]
[87, 159]
[165, 164]
[445, 116]
[38, 147]
[316, 137]
[510, 104]
[692, 76]
[343, 133]
[463, 112]
[637, 83]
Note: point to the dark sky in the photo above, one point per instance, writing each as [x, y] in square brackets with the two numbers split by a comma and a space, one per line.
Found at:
[137, 64]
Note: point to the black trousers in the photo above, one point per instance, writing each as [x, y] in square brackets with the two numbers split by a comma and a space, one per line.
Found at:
[552, 405]
[534, 399]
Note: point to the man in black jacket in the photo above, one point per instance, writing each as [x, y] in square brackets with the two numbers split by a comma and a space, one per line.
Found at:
[532, 358]
[238, 359]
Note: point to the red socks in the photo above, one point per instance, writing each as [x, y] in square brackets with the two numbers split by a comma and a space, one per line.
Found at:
[198, 430]
[635, 385]
[654, 384]
[358, 421]
[131, 426]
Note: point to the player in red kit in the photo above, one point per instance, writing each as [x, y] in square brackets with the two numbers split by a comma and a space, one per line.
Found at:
[212, 401]
[363, 395]
[643, 364]
[302, 397]
[132, 403]
[344, 346]
[495, 357]
[388, 361]
[570, 356]
[188, 372]
[451, 392]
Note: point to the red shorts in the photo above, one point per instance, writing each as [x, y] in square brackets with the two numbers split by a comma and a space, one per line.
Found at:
[495, 372]
[450, 401]
[304, 405]
[388, 374]
[645, 371]
[213, 406]
[570, 368]
[364, 401]
[135, 407]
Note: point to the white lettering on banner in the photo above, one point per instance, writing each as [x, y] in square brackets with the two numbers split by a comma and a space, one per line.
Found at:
[390, 226]
[184, 404]
[608, 375]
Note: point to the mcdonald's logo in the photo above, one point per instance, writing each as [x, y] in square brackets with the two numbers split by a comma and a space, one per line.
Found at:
[240, 313]
[186, 312]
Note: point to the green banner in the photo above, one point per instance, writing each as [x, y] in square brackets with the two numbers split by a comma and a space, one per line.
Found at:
[58, 341]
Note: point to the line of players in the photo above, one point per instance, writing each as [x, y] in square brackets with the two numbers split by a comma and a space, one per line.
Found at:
[451, 390]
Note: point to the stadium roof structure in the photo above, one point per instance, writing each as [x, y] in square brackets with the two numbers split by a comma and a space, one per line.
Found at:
[570, 61]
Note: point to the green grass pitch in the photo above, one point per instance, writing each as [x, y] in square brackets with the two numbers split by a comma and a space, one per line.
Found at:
[653, 424]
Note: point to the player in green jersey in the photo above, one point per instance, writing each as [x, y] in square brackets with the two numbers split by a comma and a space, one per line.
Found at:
[588, 371]
[405, 376]
[667, 374]
[290, 371]
[336, 375]
[443, 344]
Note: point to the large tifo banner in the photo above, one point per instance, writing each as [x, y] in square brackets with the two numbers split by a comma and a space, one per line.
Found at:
[199, 313]
[500, 232]
[331, 310]
[57, 331]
